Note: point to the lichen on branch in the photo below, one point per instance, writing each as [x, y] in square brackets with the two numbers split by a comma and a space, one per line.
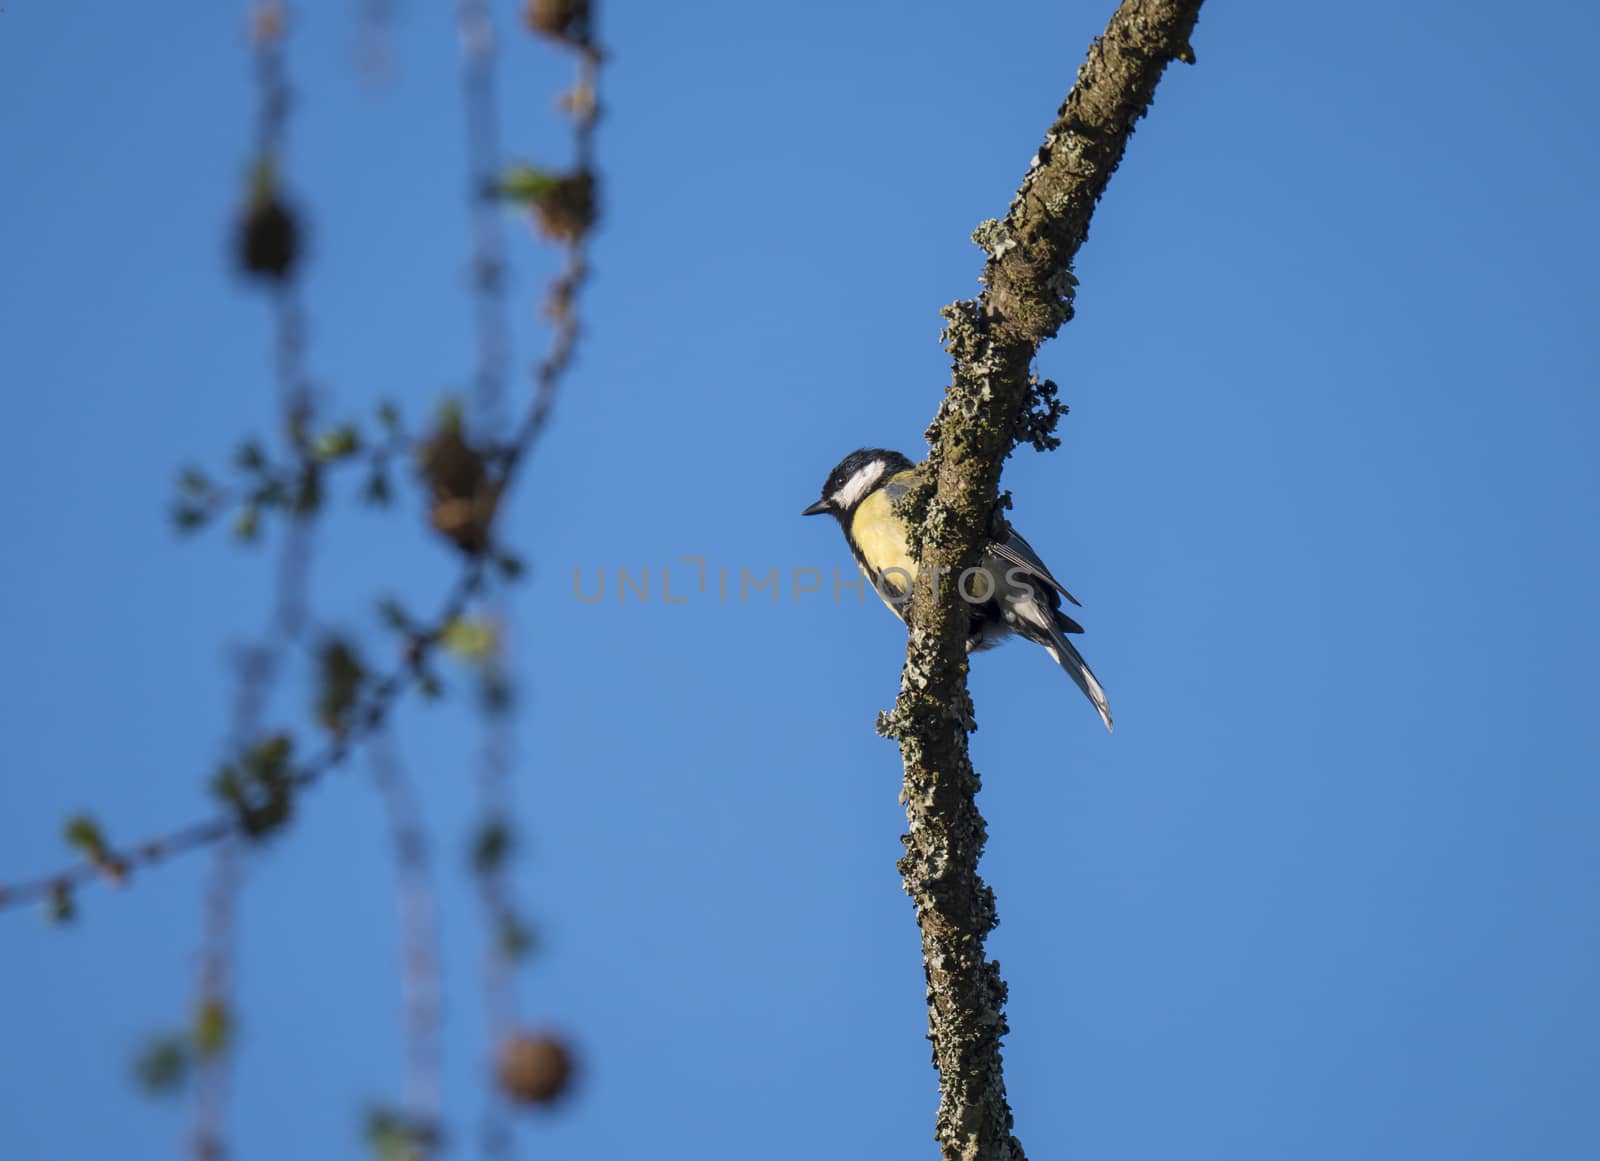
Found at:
[993, 402]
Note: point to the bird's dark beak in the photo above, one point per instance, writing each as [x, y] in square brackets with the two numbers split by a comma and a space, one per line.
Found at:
[816, 509]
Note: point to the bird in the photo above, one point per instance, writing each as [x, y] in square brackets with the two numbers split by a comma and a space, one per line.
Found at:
[1014, 593]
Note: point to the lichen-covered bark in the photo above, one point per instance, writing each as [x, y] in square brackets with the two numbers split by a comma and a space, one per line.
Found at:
[991, 403]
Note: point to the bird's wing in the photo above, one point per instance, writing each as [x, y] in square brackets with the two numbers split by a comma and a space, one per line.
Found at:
[899, 484]
[1018, 553]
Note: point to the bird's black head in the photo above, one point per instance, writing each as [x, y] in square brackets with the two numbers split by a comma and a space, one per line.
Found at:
[857, 475]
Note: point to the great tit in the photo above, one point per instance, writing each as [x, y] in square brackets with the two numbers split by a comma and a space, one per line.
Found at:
[1011, 591]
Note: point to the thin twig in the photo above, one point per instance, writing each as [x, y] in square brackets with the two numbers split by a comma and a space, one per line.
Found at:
[212, 1007]
[475, 25]
[418, 917]
[373, 711]
[259, 666]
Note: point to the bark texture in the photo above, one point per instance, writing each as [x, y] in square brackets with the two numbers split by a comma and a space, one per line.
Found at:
[992, 403]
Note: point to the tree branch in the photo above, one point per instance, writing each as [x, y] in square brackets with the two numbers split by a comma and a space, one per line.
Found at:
[991, 402]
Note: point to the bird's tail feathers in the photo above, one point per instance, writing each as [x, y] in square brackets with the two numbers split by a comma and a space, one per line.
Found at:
[1078, 669]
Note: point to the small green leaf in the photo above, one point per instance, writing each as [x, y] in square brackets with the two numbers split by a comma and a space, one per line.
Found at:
[395, 1136]
[188, 517]
[337, 443]
[494, 842]
[249, 457]
[263, 179]
[194, 482]
[83, 833]
[212, 1027]
[270, 753]
[509, 565]
[273, 493]
[227, 786]
[387, 1136]
[471, 639]
[389, 417]
[525, 184]
[161, 1065]
[516, 938]
[308, 495]
[260, 787]
[449, 413]
[341, 676]
[247, 523]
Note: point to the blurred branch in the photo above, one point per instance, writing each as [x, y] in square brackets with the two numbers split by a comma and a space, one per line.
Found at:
[259, 666]
[993, 401]
[213, 1006]
[479, 57]
[475, 25]
[563, 207]
[266, 249]
[373, 710]
[423, 1119]
[264, 485]
[374, 32]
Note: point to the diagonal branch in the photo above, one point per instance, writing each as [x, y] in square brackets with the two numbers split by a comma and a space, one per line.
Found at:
[991, 403]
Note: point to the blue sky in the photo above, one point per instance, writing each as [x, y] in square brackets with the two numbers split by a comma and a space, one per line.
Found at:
[1327, 491]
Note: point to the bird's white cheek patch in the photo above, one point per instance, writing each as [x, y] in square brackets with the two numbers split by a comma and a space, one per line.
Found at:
[859, 484]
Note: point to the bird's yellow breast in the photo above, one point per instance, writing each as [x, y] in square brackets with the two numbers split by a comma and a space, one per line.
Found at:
[880, 536]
